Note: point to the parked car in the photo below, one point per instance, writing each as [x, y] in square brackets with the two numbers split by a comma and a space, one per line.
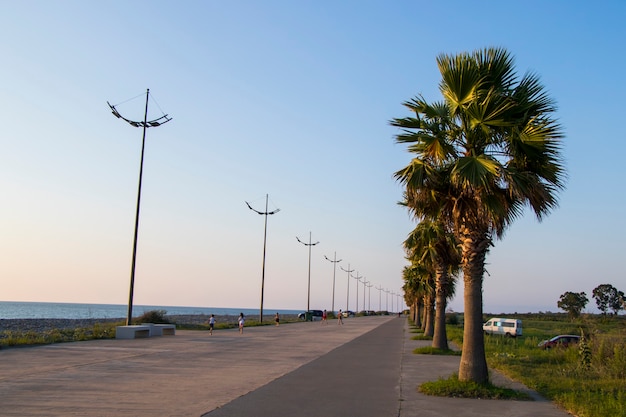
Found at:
[348, 313]
[503, 327]
[560, 341]
[316, 315]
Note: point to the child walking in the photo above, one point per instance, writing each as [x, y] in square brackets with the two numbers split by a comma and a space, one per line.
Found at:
[241, 322]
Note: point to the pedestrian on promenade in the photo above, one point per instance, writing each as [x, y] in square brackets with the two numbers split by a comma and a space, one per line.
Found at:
[241, 322]
[340, 317]
[211, 323]
[277, 319]
[324, 317]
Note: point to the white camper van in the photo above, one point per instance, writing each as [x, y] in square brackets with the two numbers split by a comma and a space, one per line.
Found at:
[504, 327]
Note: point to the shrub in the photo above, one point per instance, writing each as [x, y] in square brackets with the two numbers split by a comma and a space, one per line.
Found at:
[153, 316]
[452, 318]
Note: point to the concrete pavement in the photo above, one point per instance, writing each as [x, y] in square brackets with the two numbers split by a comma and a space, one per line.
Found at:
[363, 368]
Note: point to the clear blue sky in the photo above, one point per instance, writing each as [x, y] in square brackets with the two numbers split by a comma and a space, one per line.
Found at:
[292, 99]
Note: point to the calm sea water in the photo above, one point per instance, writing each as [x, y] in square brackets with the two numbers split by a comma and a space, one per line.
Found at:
[30, 310]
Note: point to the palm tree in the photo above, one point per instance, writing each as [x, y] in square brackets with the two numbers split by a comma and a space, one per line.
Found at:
[411, 295]
[481, 156]
[418, 286]
[430, 244]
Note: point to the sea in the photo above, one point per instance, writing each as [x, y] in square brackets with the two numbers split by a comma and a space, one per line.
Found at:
[39, 310]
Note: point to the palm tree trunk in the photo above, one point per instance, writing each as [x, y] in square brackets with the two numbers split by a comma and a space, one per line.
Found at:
[473, 365]
[418, 317]
[416, 313]
[440, 337]
[429, 328]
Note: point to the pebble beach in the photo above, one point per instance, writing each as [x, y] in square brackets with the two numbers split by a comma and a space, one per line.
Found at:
[44, 325]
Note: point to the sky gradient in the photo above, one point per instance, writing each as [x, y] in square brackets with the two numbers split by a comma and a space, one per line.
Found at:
[290, 99]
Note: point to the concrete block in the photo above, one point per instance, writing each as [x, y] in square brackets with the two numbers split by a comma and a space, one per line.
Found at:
[132, 332]
[161, 329]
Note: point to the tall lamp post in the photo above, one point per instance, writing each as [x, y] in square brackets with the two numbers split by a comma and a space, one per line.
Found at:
[369, 296]
[334, 261]
[358, 279]
[263, 213]
[387, 300]
[380, 308]
[145, 125]
[349, 271]
[364, 286]
[308, 300]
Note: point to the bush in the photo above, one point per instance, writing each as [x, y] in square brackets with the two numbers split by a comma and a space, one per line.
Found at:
[452, 318]
[153, 316]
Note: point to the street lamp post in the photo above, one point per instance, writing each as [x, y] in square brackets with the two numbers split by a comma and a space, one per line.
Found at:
[308, 300]
[334, 261]
[358, 279]
[364, 285]
[145, 124]
[349, 271]
[263, 213]
[387, 300]
[369, 296]
[379, 298]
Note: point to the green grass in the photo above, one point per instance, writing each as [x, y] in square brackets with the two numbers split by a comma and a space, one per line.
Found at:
[589, 382]
[452, 387]
[421, 337]
[97, 331]
[429, 350]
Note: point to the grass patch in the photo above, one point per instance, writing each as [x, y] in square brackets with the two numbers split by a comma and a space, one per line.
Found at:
[421, 337]
[429, 350]
[31, 338]
[452, 387]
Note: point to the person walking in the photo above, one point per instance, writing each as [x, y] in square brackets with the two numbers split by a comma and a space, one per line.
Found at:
[211, 323]
[340, 317]
[324, 317]
[277, 319]
[241, 321]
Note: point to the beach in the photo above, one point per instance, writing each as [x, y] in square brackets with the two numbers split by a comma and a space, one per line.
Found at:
[44, 325]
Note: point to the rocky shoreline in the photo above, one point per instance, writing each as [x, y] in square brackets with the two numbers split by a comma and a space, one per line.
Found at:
[44, 325]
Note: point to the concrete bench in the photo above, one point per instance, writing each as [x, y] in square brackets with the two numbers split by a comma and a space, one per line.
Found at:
[132, 332]
[161, 329]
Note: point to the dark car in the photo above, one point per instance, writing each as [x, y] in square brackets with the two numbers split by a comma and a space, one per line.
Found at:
[315, 315]
[560, 341]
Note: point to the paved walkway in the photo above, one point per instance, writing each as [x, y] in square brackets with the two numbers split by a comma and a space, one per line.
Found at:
[363, 368]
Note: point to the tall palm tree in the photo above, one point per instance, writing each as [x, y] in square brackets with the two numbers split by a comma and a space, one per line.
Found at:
[432, 244]
[418, 284]
[411, 294]
[490, 149]
[411, 299]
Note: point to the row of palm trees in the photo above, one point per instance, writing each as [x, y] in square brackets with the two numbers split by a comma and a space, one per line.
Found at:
[480, 156]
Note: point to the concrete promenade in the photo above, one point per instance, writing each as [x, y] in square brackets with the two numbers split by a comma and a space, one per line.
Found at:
[363, 368]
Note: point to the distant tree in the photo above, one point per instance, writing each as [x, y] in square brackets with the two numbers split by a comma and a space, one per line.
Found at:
[608, 298]
[573, 303]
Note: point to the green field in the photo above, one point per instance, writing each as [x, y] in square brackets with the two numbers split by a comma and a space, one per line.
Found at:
[588, 380]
